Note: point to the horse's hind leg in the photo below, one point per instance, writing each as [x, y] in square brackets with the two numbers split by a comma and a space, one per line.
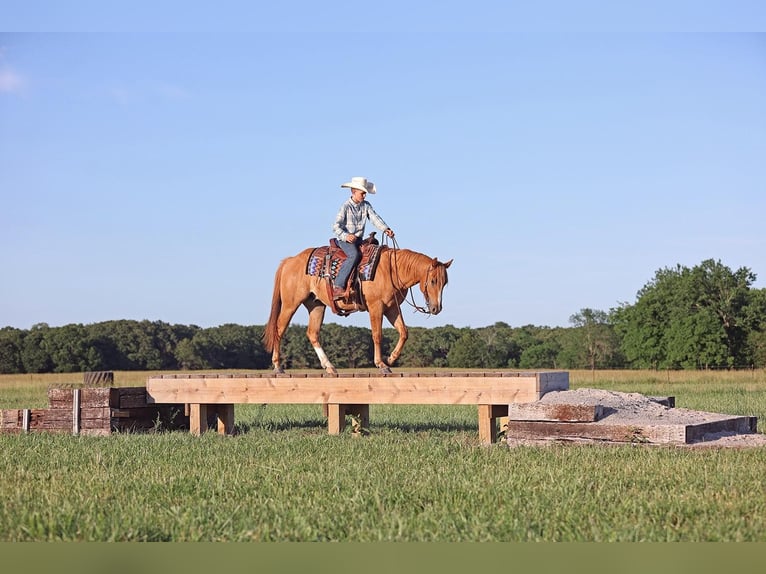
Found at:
[316, 317]
[283, 321]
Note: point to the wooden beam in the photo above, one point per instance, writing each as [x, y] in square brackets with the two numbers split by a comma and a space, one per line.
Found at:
[631, 433]
[491, 389]
[554, 412]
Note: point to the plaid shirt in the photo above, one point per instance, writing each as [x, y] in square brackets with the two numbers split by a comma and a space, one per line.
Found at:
[352, 218]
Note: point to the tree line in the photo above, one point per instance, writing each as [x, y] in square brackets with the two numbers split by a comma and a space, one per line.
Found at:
[703, 317]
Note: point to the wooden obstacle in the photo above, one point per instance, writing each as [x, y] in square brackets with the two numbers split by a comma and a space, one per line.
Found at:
[351, 394]
[596, 415]
[95, 411]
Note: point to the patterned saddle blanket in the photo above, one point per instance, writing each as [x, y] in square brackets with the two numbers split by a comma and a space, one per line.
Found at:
[325, 261]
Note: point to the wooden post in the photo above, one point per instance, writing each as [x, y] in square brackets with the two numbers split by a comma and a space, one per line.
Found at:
[197, 418]
[26, 419]
[488, 415]
[76, 411]
[336, 418]
[225, 415]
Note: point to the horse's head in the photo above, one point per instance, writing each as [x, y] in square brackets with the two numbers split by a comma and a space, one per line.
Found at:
[432, 285]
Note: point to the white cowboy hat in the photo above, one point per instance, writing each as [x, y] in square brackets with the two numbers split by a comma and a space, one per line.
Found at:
[361, 184]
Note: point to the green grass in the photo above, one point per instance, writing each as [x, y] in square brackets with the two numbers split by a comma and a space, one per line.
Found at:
[419, 476]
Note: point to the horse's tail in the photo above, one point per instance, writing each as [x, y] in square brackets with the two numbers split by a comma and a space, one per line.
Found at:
[270, 333]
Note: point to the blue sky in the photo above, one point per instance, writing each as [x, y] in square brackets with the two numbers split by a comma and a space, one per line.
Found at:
[160, 169]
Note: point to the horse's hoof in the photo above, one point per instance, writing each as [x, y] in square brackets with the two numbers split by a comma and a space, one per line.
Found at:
[331, 371]
[279, 371]
[386, 370]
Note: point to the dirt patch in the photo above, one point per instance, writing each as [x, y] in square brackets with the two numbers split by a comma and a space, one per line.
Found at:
[637, 409]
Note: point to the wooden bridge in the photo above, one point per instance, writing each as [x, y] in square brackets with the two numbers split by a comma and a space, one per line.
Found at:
[351, 394]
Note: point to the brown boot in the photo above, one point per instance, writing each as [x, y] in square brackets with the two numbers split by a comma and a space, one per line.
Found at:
[338, 293]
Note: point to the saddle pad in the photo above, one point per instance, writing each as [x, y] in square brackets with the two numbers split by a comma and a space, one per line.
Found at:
[366, 268]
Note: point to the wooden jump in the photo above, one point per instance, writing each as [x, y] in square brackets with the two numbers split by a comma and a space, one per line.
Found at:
[351, 394]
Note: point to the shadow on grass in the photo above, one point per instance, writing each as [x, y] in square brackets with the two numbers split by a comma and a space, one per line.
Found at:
[321, 425]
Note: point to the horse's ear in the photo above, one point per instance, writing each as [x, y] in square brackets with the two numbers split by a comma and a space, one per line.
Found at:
[448, 263]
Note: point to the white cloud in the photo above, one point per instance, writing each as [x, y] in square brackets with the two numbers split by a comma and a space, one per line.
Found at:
[10, 81]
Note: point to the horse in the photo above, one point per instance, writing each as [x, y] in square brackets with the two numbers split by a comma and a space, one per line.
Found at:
[397, 271]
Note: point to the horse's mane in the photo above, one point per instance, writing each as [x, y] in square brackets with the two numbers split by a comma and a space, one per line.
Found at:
[408, 261]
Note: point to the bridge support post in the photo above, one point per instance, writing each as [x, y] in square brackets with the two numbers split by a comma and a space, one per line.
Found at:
[198, 416]
[488, 416]
[336, 416]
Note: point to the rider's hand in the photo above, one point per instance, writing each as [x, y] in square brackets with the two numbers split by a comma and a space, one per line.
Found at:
[350, 238]
[389, 232]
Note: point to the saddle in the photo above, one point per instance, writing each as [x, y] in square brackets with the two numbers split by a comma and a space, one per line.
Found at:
[325, 261]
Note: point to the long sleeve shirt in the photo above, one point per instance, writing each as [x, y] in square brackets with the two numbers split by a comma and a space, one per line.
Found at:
[352, 218]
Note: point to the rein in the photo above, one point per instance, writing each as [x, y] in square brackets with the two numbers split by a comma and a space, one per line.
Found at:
[395, 269]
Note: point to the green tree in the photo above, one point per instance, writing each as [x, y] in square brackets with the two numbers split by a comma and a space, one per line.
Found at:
[500, 349]
[469, 351]
[692, 318]
[755, 325]
[34, 353]
[595, 340]
[425, 347]
[11, 343]
[71, 349]
[541, 355]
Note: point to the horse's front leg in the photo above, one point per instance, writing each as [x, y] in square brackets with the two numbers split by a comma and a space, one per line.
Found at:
[376, 326]
[316, 317]
[394, 316]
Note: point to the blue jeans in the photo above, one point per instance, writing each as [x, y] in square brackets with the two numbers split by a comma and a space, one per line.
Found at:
[353, 255]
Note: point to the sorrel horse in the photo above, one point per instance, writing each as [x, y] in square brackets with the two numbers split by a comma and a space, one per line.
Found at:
[398, 270]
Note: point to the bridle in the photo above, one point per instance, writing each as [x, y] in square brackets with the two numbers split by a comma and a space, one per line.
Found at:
[395, 270]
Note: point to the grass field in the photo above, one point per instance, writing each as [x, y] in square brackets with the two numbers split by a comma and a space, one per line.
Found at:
[419, 476]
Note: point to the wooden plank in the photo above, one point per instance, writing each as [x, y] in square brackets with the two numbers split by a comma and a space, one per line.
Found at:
[537, 411]
[738, 425]
[630, 433]
[62, 398]
[63, 417]
[457, 390]
[10, 418]
[59, 419]
[131, 397]
[536, 430]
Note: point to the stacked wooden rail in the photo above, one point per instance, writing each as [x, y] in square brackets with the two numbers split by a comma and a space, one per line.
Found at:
[594, 422]
[95, 411]
[352, 394]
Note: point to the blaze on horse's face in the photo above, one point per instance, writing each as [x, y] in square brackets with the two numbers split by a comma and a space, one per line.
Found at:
[433, 284]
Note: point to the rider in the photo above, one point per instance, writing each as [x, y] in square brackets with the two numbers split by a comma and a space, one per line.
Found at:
[349, 229]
